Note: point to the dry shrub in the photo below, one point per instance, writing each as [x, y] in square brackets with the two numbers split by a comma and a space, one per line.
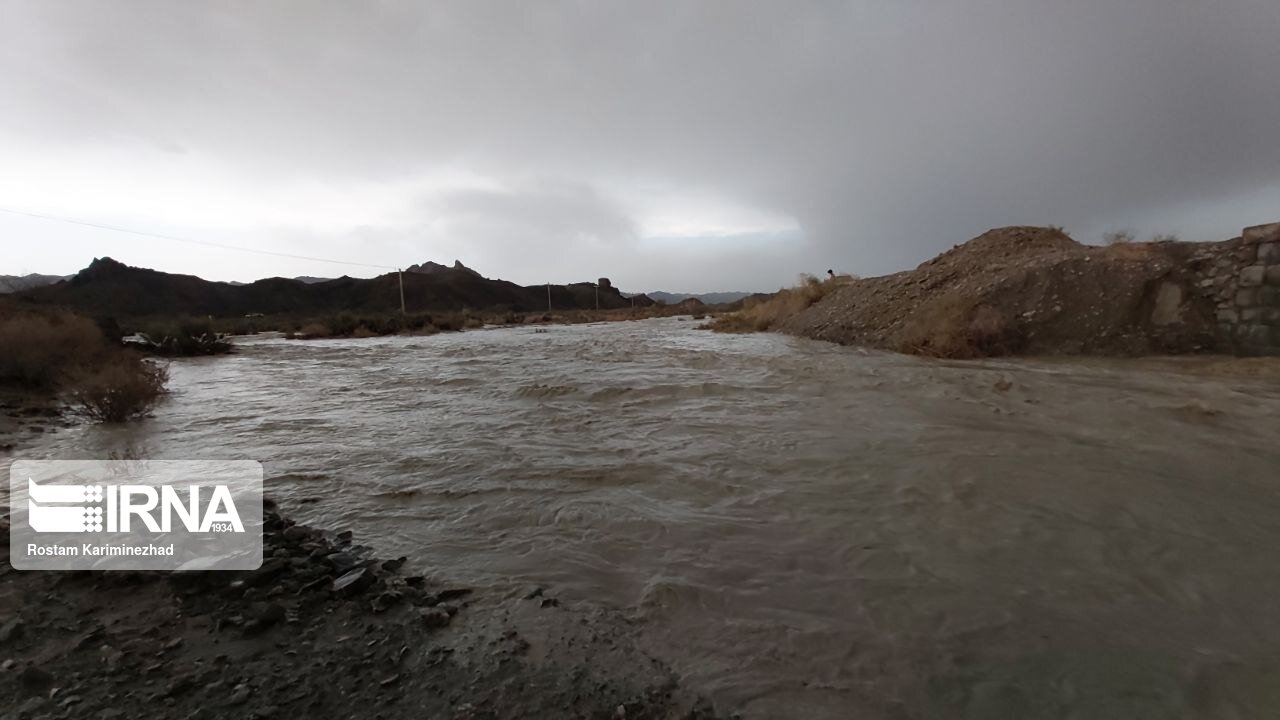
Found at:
[314, 330]
[951, 328]
[183, 337]
[50, 352]
[362, 325]
[121, 387]
[988, 332]
[759, 315]
[1129, 251]
[40, 350]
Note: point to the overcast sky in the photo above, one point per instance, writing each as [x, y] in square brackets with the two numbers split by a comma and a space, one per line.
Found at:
[668, 145]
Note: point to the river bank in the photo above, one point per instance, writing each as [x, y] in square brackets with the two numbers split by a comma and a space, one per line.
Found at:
[1034, 291]
[25, 416]
[322, 629]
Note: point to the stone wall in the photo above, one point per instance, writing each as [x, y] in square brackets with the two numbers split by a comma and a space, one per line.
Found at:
[1242, 278]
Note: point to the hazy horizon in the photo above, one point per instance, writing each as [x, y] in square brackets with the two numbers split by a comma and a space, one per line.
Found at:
[675, 146]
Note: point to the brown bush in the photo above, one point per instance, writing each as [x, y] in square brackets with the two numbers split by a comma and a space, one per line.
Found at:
[314, 330]
[41, 350]
[759, 315]
[183, 337]
[1118, 237]
[1129, 251]
[121, 387]
[950, 328]
[447, 322]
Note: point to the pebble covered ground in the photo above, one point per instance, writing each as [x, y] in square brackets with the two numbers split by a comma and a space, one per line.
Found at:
[321, 629]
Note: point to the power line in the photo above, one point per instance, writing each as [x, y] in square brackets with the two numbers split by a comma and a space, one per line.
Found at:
[206, 243]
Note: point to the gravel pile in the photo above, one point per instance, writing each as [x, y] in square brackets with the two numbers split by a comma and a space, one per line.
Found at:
[1024, 290]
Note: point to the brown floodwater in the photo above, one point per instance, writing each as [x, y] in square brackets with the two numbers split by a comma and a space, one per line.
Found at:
[798, 529]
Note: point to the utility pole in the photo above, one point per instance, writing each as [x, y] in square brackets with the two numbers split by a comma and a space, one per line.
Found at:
[597, 296]
[548, 297]
[400, 273]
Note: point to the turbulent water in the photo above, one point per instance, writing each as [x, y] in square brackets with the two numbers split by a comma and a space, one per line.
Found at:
[799, 529]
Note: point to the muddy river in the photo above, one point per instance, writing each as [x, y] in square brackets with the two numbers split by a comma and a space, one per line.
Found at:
[799, 529]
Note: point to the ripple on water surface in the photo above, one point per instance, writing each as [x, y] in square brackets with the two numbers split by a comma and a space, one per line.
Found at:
[802, 530]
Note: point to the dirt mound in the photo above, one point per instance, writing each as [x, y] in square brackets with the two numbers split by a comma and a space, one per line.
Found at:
[1004, 245]
[1025, 290]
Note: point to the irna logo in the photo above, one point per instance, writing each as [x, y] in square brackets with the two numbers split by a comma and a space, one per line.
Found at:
[135, 514]
[125, 508]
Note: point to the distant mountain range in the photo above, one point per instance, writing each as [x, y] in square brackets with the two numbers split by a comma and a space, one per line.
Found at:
[111, 288]
[14, 283]
[425, 268]
[17, 283]
[308, 279]
[710, 298]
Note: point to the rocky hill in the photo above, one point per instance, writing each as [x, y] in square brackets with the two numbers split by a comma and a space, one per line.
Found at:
[428, 268]
[110, 288]
[1032, 290]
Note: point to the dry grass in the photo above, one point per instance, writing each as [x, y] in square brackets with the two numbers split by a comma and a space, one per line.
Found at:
[760, 315]
[41, 349]
[315, 330]
[1129, 251]
[951, 328]
[122, 387]
[1118, 237]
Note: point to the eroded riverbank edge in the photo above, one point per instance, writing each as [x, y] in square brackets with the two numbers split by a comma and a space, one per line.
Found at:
[323, 628]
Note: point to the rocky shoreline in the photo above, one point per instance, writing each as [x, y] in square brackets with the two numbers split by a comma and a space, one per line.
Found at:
[322, 629]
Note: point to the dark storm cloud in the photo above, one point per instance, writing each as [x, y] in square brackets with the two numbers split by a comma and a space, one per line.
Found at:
[883, 131]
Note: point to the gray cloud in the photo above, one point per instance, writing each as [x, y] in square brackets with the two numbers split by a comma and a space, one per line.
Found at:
[576, 213]
[873, 133]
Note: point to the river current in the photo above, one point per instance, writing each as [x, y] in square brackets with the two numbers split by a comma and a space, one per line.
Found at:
[798, 529]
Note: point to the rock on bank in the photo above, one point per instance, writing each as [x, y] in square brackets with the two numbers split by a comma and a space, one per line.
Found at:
[322, 630]
[1033, 290]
